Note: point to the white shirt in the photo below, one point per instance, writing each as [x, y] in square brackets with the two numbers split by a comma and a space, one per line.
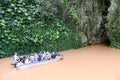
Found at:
[27, 61]
[36, 57]
[46, 55]
[32, 58]
[16, 57]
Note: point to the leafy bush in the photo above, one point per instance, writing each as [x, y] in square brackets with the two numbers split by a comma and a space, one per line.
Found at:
[114, 28]
[34, 26]
[114, 35]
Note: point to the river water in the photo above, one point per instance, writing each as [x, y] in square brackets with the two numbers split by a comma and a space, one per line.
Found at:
[97, 62]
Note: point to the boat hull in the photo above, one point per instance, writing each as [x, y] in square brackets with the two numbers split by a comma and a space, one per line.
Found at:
[26, 66]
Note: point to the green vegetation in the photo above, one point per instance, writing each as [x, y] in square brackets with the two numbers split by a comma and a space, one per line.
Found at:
[114, 35]
[54, 25]
[114, 28]
[31, 26]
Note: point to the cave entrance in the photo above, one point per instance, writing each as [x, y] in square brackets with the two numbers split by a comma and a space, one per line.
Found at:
[104, 12]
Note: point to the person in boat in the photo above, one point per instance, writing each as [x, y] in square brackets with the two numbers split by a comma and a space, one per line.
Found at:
[46, 56]
[32, 58]
[54, 55]
[19, 63]
[16, 59]
[22, 59]
[40, 56]
[27, 61]
[36, 57]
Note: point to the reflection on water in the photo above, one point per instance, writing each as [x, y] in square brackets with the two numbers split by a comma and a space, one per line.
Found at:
[90, 63]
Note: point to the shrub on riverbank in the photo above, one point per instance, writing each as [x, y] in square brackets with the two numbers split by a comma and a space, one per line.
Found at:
[114, 35]
[113, 26]
[31, 26]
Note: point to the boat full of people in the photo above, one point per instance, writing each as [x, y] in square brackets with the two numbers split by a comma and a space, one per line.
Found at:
[35, 59]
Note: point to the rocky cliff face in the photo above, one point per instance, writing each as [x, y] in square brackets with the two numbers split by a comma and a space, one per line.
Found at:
[96, 16]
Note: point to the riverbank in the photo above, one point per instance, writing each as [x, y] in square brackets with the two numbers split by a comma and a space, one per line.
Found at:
[97, 62]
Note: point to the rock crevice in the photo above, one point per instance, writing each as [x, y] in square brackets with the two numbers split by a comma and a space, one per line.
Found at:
[94, 20]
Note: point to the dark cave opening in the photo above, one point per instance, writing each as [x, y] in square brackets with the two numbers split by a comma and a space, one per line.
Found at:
[106, 4]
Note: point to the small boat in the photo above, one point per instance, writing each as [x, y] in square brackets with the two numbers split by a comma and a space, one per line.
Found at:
[25, 66]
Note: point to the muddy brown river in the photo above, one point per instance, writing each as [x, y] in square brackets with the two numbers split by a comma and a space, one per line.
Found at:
[97, 62]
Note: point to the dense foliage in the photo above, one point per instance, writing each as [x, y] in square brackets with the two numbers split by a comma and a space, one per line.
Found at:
[114, 35]
[34, 25]
[54, 25]
[114, 26]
